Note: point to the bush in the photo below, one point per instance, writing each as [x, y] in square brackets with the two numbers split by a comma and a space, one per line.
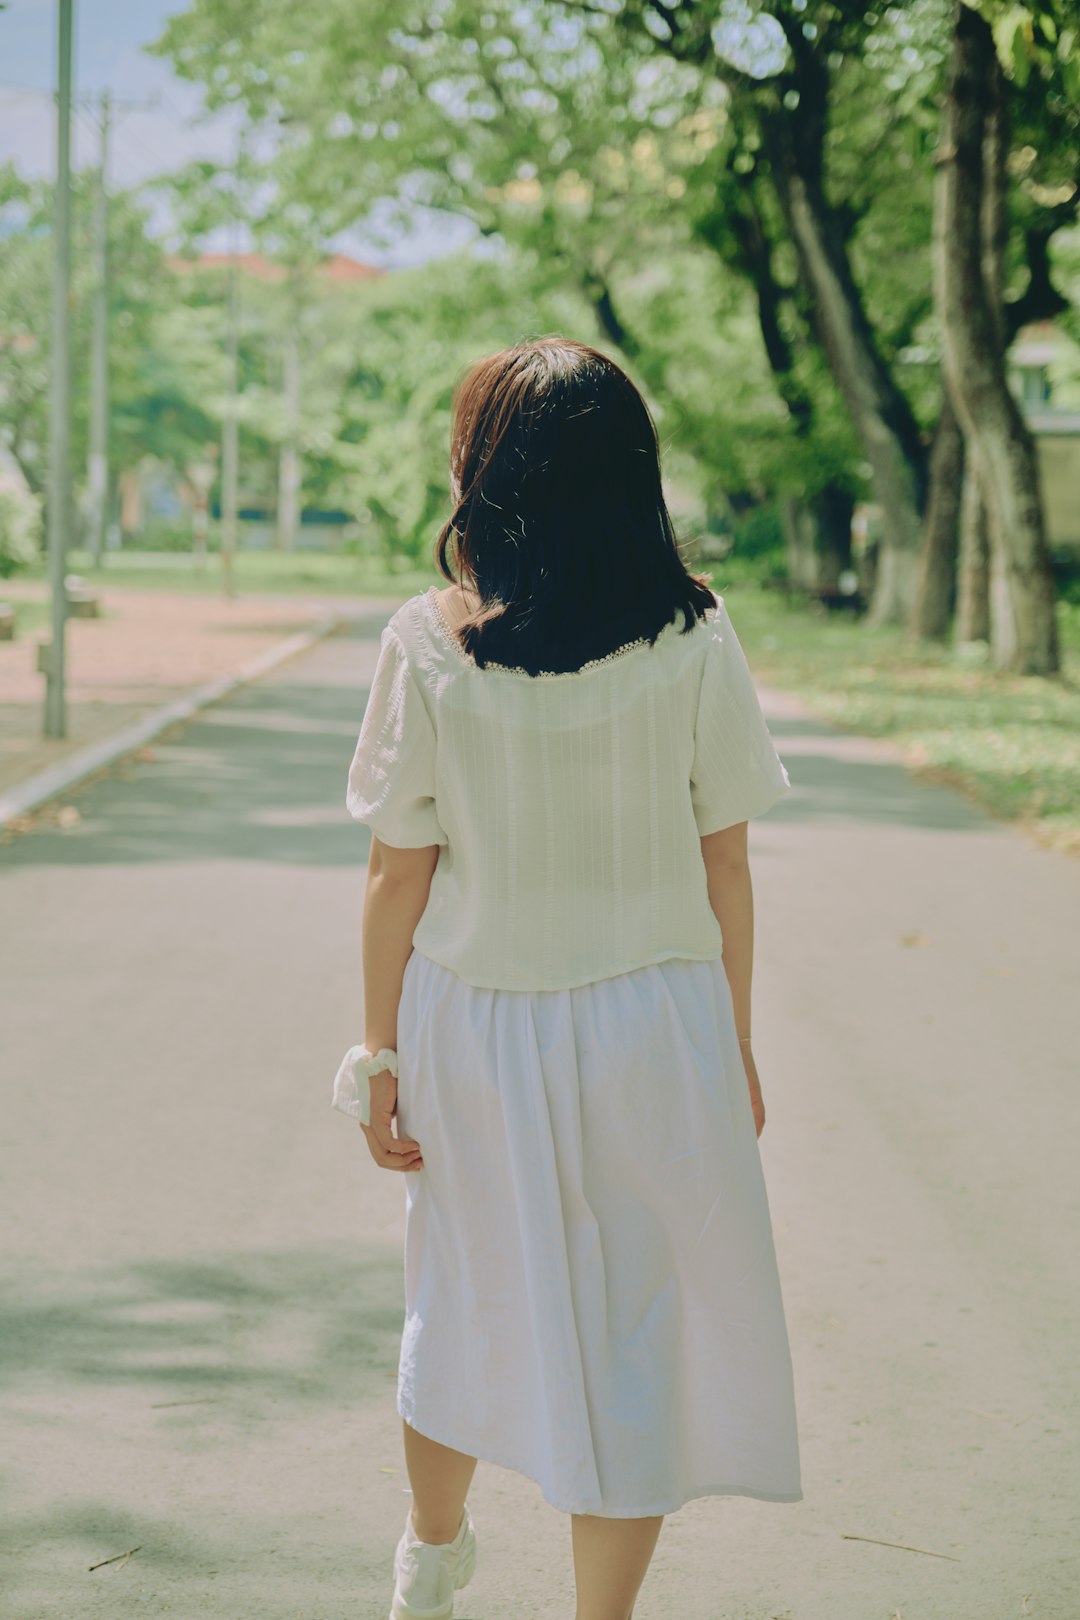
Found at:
[20, 530]
[164, 535]
[759, 534]
[1066, 570]
[757, 553]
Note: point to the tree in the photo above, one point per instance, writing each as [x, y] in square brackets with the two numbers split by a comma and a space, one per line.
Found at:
[158, 379]
[581, 156]
[969, 249]
[783, 81]
[610, 144]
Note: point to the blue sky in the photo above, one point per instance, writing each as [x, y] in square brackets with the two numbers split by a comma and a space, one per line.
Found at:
[111, 36]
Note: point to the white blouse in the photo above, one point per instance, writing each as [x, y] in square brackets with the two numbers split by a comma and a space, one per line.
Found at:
[569, 807]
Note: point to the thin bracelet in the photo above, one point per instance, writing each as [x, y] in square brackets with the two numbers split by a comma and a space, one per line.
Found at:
[744, 1040]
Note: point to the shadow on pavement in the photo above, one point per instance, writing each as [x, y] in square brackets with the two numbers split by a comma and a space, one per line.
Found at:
[211, 1413]
[306, 1324]
[828, 786]
[261, 777]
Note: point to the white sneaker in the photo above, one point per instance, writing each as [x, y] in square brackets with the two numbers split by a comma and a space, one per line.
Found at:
[427, 1573]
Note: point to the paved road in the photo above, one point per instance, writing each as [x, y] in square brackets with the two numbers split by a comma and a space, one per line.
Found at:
[202, 1272]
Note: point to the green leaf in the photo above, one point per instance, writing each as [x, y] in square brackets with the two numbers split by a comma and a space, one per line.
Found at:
[1021, 57]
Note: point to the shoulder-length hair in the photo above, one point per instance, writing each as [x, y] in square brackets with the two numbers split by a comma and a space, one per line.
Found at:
[560, 524]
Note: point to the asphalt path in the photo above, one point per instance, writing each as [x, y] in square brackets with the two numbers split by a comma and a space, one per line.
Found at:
[202, 1284]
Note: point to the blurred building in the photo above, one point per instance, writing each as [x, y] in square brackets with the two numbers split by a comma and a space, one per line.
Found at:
[1044, 370]
[336, 268]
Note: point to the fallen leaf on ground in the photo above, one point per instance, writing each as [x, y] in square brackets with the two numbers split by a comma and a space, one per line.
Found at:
[903, 1545]
[197, 1400]
[117, 1558]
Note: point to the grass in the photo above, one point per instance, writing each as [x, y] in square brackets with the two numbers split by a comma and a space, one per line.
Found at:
[300, 573]
[29, 616]
[1012, 742]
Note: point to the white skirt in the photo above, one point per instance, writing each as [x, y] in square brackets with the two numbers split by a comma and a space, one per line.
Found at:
[592, 1294]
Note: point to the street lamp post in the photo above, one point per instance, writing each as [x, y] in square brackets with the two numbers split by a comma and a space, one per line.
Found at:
[98, 470]
[60, 394]
[201, 475]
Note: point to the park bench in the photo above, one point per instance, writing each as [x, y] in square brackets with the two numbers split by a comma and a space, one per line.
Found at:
[837, 601]
[783, 586]
[83, 602]
[832, 598]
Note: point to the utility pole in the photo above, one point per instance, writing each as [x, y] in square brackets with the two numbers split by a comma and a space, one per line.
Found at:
[98, 466]
[230, 446]
[98, 471]
[289, 474]
[60, 389]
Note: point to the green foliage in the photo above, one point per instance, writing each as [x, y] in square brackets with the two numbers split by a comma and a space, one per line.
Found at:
[1037, 40]
[1038, 44]
[617, 173]
[155, 382]
[590, 161]
[20, 530]
[408, 339]
[759, 536]
[25, 300]
[299, 573]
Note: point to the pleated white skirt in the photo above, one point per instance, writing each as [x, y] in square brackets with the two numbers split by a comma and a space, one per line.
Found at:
[592, 1293]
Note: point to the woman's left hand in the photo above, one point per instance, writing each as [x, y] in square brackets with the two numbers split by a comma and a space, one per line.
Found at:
[390, 1152]
[757, 1101]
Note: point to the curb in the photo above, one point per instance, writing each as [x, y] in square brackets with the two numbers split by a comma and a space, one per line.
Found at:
[56, 779]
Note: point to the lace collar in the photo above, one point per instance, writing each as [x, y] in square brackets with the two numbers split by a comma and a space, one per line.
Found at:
[446, 633]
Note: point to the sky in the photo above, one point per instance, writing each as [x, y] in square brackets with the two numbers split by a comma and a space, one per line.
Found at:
[164, 128]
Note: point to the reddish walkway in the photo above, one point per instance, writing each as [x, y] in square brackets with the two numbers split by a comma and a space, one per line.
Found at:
[147, 649]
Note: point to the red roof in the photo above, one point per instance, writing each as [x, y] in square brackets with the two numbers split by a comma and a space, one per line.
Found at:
[337, 267]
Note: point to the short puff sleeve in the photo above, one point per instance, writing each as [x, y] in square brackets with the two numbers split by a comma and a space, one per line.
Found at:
[391, 785]
[736, 772]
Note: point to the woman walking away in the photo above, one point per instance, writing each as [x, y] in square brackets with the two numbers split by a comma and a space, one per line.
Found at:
[558, 760]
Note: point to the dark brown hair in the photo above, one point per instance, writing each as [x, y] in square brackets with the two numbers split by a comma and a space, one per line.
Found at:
[560, 524]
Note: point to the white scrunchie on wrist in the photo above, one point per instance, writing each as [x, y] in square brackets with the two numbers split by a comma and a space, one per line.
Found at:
[352, 1093]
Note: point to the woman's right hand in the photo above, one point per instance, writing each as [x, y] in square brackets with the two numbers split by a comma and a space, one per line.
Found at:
[757, 1102]
[390, 1152]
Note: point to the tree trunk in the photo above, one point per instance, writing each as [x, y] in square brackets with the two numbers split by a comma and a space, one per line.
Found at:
[817, 530]
[817, 537]
[832, 508]
[793, 127]
[973, 567]
[967, 207]
[882, 420]
[800, 535]
[608, 319]
[745, 230]
[994, 226]
[932, 610]
[880, 413]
